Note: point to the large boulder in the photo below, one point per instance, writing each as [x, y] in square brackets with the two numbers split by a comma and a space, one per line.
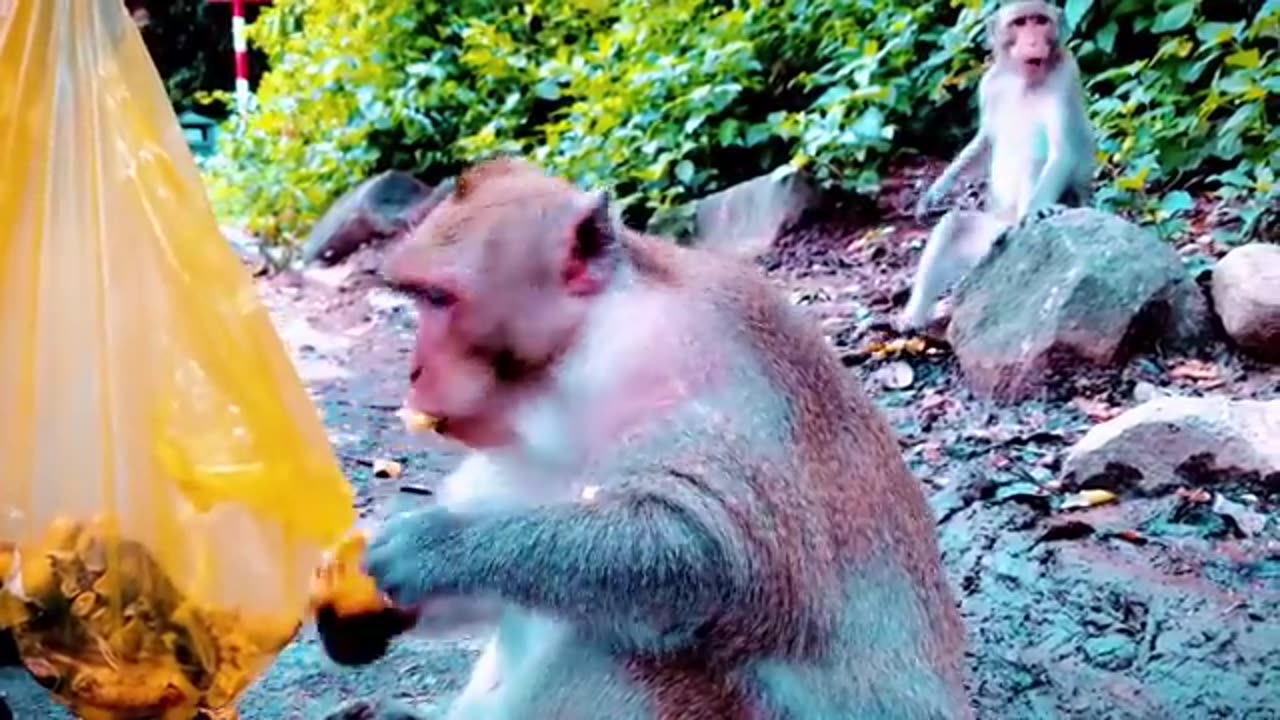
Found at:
[1246, 296]
[747, 218]
[1082, 287]
[374, 211]
[1175, 441]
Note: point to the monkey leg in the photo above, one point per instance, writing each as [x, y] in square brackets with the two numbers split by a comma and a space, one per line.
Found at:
[957, 243]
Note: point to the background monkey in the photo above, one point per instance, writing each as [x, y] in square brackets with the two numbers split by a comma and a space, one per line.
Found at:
[688, 508]
[1033, 134]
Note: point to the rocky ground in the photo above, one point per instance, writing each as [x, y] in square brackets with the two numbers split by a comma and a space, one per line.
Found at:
[1166, 606]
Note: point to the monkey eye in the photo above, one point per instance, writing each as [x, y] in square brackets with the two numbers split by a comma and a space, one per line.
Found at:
[436, 296]
[433, 295]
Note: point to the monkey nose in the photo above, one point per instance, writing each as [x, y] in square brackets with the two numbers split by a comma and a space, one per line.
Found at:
[415, 373]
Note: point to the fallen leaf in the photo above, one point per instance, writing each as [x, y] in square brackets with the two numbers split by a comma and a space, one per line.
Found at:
[934, 401]
[1194, 495]
[1197, 370]
[897, 346]
[1096, 410]
[387, 469]
[932, 453]
[1088, 498]
[1132, 536]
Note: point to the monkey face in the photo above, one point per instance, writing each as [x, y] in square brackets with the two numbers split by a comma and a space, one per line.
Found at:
[499, 298]
[1028, 35]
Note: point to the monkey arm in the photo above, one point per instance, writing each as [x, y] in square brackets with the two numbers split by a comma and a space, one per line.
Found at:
[975, 150]
[1056, 175]
[644, 565]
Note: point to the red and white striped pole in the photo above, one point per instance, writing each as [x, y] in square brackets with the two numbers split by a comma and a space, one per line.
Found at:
[241, 48]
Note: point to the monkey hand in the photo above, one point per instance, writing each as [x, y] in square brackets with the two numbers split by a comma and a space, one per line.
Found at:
[407, 558]
[927, 202]
[1043, 213]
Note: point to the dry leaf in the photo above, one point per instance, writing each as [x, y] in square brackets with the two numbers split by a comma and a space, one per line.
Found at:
[1197, 370]
[896, 346]
[1088, 498]
[931, 402]
[387, 469]
[1132, 536]
[1096, 410]
[1194, 495]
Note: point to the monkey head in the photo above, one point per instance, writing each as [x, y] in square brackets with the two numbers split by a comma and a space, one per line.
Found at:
[502, 273]
[1024, 34]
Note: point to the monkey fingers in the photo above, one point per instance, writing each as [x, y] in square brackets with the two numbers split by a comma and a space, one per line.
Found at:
[926, 203]
[402, 556]
[1043, 213]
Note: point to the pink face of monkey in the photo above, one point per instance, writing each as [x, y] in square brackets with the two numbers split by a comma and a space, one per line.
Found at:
[499, 299]
[1027, 34]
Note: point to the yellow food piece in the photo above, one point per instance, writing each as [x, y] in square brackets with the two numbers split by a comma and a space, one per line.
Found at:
[415, 421]
[342, 585]
[387, 469]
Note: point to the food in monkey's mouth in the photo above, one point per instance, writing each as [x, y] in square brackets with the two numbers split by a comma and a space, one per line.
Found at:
[415, 421]
[104, 628]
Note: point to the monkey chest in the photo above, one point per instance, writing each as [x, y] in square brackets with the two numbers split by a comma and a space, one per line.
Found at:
[1021, 143]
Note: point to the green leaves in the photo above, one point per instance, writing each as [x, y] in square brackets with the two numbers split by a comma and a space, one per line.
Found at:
[664, 102]
[1175, 18]
[1074, 12]
[1200, 101]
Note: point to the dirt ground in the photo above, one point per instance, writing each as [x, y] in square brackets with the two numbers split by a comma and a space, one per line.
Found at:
[1154, 608]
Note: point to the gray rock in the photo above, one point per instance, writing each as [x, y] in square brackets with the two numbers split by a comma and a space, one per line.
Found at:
[376, 210]
[1081, 287]
[1176, 441]
[1246, 296]
[747, 218]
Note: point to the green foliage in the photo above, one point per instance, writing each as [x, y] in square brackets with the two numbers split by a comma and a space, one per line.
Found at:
[1194, 102]
[661, 102]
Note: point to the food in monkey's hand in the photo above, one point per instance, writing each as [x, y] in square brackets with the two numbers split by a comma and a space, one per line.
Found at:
[355, 620]
[103, 627]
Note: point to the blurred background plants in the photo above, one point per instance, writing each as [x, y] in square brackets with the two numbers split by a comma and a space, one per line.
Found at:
[664, 102]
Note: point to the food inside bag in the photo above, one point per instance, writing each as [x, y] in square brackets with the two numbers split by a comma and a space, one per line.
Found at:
[168, 489]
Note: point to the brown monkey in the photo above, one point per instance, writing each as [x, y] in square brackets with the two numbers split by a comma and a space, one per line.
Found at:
[687, 508]
[1036, 139]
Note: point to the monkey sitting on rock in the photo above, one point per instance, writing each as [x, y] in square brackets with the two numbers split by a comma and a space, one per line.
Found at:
[1035, 138]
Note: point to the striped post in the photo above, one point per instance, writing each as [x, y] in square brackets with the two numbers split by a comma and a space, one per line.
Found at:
[241, 48]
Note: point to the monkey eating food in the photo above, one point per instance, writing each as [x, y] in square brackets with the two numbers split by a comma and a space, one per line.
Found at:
[685, 506]
[1033, 134]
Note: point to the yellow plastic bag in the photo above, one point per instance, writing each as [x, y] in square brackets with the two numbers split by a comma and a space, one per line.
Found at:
[166, 487]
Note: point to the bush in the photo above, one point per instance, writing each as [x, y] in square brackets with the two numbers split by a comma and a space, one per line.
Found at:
[1193, 104]
[662, 102]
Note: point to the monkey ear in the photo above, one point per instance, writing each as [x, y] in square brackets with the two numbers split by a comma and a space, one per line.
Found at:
[592, 239]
